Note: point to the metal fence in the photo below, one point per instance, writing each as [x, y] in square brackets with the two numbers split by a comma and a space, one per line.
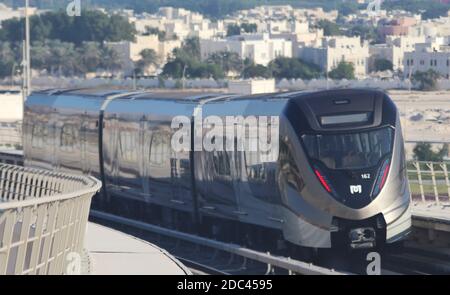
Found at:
[430, 182]
[43, 217]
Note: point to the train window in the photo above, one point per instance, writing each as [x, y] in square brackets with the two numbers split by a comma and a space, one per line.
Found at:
[255, 166]
[289, 168]
[128, 143]
[69, 138]
[38, 135]
[159, 149]
[221, 162]
[352, 150]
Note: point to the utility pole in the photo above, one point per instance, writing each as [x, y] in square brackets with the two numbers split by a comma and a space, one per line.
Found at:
[27, 51]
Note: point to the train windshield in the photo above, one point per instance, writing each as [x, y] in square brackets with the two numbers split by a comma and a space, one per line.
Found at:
[352, 150]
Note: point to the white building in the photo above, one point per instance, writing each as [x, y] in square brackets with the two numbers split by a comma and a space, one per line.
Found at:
[259, 48]
[130, 52]
[253, 86]
[333, 50]
[426, 56]
[394, 50]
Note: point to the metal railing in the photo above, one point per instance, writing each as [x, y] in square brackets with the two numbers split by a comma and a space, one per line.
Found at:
[43, 217]
[430, 181]
[272, 261]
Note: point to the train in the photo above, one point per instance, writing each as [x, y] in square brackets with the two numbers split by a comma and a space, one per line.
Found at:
[338, 178]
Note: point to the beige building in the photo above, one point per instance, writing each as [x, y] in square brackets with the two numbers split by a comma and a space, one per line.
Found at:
[130, 52]
[394, 50]
[259, 48]
[333, 50]
[428, 56]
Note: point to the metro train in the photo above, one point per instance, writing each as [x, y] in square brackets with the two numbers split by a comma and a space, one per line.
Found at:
[339, 178]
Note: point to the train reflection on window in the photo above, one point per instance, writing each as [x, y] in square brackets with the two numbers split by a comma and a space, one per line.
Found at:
[38, 135]
[128, 141]
[289, 168]
[160, 149]
[221, 162]
[69, 138]
[352, 150]
[256, 169]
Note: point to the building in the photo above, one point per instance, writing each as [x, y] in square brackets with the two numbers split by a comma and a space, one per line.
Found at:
[130, 52]
[253, 86]
[9, 13]
[259, 48]
[393, 50]
[428, 56]
[333, 50]
[397, 27]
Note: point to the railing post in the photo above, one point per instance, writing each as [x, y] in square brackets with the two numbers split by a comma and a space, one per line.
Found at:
[433, 179]
[447, 182]
[419, 177]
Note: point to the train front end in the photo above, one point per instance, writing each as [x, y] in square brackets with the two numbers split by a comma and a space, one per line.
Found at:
[350, 147]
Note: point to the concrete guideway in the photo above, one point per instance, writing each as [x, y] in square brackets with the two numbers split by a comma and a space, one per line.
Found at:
[114, 253]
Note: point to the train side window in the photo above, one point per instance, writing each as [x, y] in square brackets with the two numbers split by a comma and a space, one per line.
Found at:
[159, 149]
[128, 146]
[221, 162]
[289, 168]
[255, 167]
[69, 138]
[39, 134]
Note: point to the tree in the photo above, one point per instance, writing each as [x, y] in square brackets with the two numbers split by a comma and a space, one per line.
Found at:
[344, 70]
[424, 152]
[111, 60]
[162, 35]
[293, 68]
[427, 81]
[233, 30]
[92, 25]
[6, 59]
[382, 65]
[148, 58]
[91, 57]
[249, 28]
[228, 61]
[190, 48]
[252, 70]
[329, 28]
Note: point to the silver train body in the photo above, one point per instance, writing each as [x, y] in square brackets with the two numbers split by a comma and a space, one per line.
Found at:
[340, 177]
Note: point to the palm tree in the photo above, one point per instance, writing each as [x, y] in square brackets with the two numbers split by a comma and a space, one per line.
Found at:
[148, 58]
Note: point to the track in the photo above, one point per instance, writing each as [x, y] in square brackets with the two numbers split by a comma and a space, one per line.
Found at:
[209, 257]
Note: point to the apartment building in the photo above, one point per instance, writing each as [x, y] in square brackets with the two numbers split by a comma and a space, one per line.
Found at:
[129, 52]
[259, 48]
[393, 50]
[432, 55]
[333, 50]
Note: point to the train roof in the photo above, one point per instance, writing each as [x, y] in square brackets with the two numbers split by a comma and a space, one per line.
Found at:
[198, 96]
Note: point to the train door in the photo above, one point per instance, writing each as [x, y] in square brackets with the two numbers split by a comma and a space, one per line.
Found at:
[216, 185]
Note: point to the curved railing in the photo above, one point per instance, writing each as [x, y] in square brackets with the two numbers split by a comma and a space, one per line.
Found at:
[43, 217]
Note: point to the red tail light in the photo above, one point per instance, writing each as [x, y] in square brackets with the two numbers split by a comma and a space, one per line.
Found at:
[322, 180]
[381, 178]
[385, 173]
